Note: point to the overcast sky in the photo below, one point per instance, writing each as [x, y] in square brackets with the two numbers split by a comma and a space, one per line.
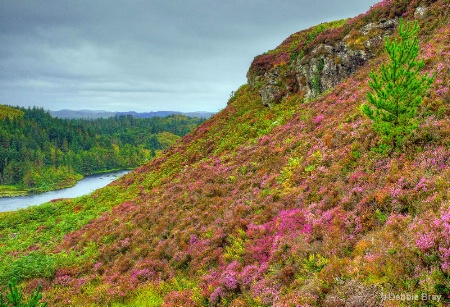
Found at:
[184, 55]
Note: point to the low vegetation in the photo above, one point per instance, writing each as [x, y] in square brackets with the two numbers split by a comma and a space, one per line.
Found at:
[282, 206]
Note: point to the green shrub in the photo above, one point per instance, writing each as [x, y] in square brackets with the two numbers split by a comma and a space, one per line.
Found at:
[15, 297]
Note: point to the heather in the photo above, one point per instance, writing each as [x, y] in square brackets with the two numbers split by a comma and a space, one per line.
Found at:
[287, 205]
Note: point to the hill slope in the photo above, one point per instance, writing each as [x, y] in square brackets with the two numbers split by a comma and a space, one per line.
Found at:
[6, 111]
[284, 205]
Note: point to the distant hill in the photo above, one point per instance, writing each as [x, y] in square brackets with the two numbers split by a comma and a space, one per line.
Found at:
[81, 114]
[93, 114]
[6, 111]
[200, 114]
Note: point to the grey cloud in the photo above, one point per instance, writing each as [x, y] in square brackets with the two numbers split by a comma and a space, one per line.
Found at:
[142, 55]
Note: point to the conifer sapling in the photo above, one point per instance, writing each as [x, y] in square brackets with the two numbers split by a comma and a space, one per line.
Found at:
[398, 89]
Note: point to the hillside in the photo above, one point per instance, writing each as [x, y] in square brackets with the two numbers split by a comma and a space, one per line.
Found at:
[277, 200]
[9, 112]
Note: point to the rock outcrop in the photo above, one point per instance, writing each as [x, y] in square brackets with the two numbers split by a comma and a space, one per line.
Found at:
[322, 68]
[327, 66]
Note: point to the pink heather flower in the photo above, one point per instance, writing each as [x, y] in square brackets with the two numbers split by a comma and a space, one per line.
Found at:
[193, 239]
[264, 180]
[445, 216]
[440, 67]
[216, 296]
[125, 242]
[425, 242]
[370, 257]
[434, 233]
[318, 120]
[264, 140]
[229, 280]
[357, 190]
[445, 256]
[395, 218]
[265, 291]
[80, 281]
[441, 92]
[63, 280]
[422, 185]
[143, 274]
[97, 266]
[248, 275]
[327, 216]
[395, 192]
[307, 229]
[355, 176]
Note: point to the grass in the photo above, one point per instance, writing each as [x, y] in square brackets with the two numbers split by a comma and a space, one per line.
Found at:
[28, 237]
[11, 191]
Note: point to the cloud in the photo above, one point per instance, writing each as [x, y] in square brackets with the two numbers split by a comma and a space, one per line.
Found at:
[143, 55]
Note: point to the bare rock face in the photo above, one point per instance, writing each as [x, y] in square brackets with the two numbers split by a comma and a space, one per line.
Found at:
[327, 66]
[324, 67]
[271, 94]
[330, 64]
[273, 91]
[387, 25]
[276, 84]
[420, 12]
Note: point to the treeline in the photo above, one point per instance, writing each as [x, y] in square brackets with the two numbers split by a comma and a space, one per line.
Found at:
[40, 152]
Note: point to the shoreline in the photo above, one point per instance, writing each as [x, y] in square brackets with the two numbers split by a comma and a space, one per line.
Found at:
[9, 191]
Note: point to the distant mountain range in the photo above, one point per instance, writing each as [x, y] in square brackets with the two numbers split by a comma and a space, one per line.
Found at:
[92, 114]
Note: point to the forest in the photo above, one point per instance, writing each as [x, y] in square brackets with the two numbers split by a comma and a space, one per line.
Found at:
[39, 152]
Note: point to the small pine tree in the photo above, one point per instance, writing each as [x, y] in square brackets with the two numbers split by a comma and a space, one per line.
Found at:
[15, 297]
[398, 89]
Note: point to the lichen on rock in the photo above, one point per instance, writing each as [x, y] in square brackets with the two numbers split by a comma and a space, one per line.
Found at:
[324, 66]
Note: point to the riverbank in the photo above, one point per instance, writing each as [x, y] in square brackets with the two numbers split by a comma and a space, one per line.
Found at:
[69, 182]
[12, 191]
[42, 187]
[85, 186]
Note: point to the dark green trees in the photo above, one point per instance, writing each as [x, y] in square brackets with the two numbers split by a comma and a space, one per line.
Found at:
[398, 89]
[39, 152]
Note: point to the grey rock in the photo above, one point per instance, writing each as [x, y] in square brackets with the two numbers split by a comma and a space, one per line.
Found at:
[420, 12]
[323, 68]
[328, 66]
[275, 86]
[271, 94]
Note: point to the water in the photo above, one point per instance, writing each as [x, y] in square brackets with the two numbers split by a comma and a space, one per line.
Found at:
[85, 186]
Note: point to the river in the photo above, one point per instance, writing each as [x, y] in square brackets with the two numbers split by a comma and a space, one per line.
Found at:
[85, 186]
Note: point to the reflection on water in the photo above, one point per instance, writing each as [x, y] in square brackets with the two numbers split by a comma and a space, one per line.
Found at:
[83, 187]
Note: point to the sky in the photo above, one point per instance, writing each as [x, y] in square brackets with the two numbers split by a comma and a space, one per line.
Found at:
[144, 55]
